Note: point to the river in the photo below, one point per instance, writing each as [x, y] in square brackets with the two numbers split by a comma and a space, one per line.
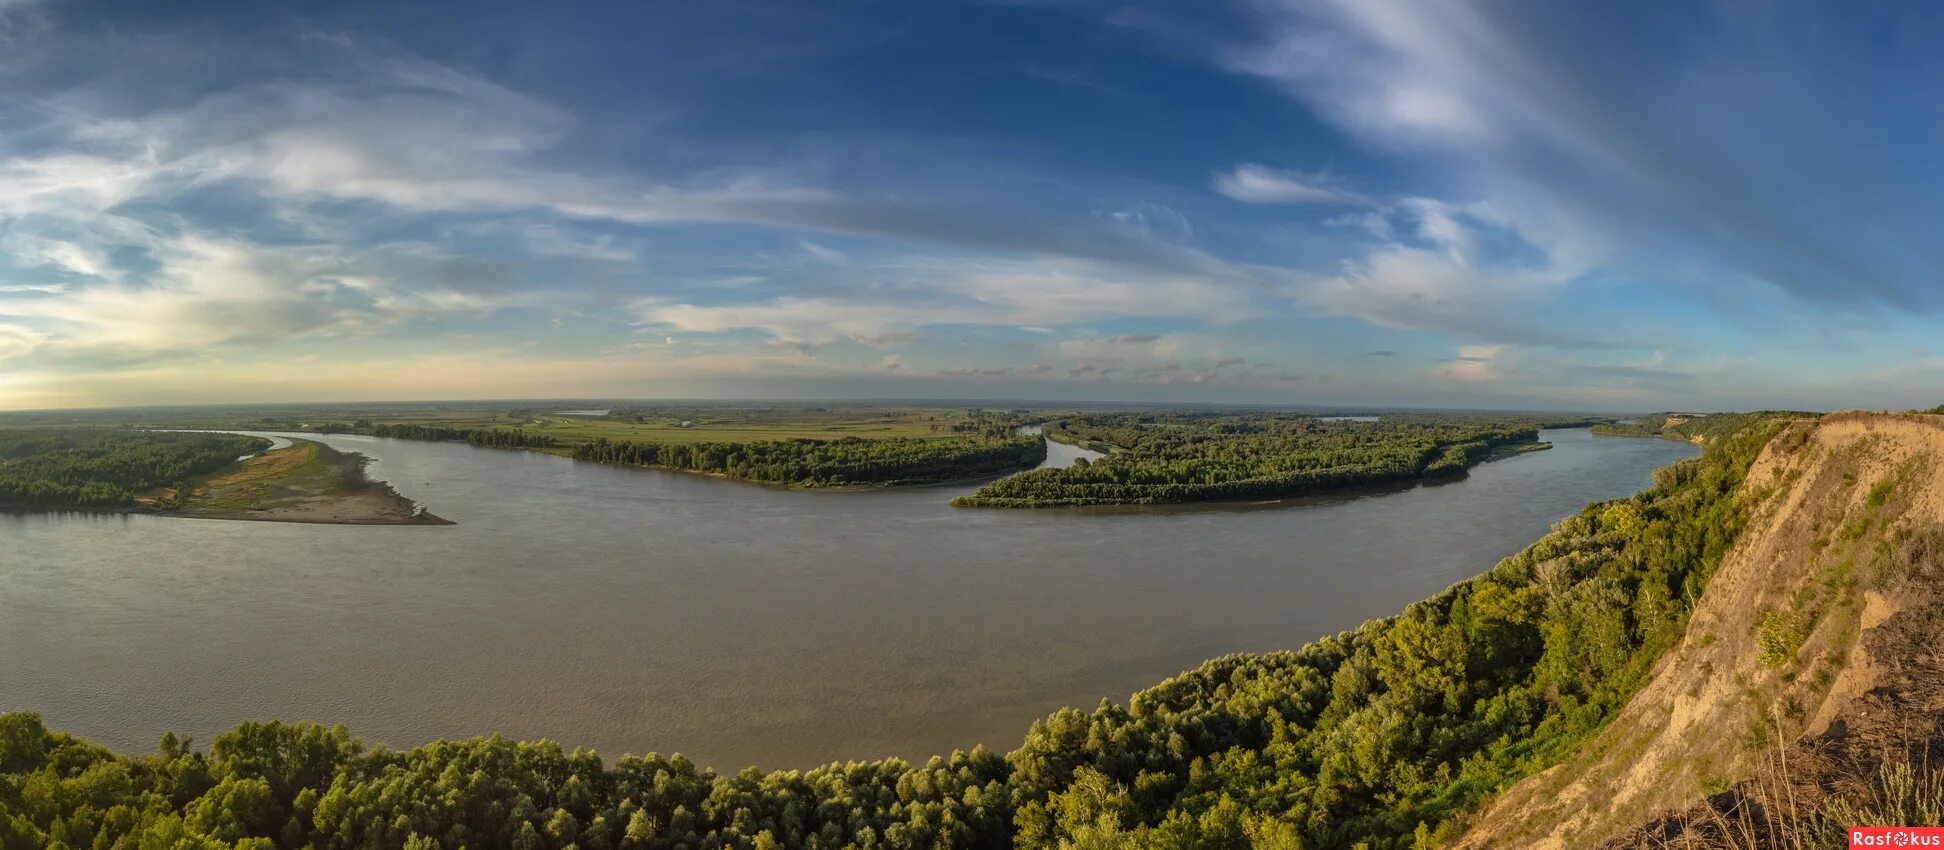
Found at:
[634, 610]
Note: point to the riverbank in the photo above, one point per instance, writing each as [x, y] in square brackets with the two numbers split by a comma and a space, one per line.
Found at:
[833, 464]
[1214, 458]
[306, 482]
[1514, 450]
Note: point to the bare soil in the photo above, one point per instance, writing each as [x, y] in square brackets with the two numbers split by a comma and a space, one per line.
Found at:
[1813, 655]
[306, 482]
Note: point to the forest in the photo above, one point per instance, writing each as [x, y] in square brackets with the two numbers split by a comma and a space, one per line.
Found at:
[1691, 428]
[1163, 458]
[1381, 737]
[499, 438]
[804, 446]
[846, 462]
[982, 444]
[104, 469]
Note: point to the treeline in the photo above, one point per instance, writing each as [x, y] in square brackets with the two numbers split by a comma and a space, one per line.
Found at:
[1208, 457]
[1693, 428]
[997, 424]
[95, 469]
[832, 463]
[1382, 737]
[499, 438]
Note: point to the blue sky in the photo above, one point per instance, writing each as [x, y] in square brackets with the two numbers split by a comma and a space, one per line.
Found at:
[1525, 204]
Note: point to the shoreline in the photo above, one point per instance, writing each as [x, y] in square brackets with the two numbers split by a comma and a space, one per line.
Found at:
[307, 482]
[796, 488]
[1349, 492]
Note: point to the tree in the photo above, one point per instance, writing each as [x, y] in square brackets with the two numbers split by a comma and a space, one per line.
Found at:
[641, 827]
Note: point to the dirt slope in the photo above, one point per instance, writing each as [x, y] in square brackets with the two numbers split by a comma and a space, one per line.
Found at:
[1817, 636]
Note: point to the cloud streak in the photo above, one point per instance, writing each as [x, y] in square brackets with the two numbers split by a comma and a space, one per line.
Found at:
[1532, 102]
[1259, 184]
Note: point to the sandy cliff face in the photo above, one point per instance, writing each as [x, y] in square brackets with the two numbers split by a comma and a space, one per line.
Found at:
[1817, 641]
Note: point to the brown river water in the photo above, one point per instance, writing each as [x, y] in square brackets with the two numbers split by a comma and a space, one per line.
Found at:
[632, 610]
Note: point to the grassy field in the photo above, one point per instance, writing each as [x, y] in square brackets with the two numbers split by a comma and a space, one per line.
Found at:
[304, 482]
[659, 423]
[261, 480]
[737, 426]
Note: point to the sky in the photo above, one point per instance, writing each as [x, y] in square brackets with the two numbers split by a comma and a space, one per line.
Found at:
[1635, 206]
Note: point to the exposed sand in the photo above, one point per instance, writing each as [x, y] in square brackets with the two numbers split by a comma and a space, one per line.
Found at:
[306, 482]
[1811, 548]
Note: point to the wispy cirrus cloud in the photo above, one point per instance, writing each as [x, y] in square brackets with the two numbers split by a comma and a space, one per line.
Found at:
[1532, 109]
[1260, 184]
[207, 293]
[905, 299]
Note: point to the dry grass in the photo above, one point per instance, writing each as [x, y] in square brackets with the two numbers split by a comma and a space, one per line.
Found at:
[1872, 764]
[1798, 807]
[262, 480]
[1773, 651]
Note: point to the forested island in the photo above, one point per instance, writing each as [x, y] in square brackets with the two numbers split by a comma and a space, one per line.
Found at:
[93, 469]
[806, 446]
[1387, 736]
[980, 445]
[848, 462]
[1156, 456]
[1173, 458]
[207, 475]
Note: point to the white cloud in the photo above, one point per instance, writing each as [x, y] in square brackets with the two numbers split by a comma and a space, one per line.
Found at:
[823, 254]
[1260, 184]
[16, 341]
[1396, 73]
[67, 183]
[1439, 279]
[999, 294]
[208, 292]
[25, 250]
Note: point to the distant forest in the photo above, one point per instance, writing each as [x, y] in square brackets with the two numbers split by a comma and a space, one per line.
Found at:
[1381, 737]
[987, 443]
[1164, 458]
[832, 463]
[499, 438]
[1691, 427]
[99, 469]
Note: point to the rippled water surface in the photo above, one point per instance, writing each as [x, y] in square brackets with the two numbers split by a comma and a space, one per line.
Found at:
[632, 610]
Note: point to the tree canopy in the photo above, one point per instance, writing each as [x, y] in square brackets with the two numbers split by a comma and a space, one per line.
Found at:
[98, 469]
[1161, 458]
[832, 463]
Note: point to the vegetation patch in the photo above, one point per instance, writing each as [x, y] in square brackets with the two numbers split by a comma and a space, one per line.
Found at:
[1881, 493]
[1172, 458]
[264, 480]
[100, 469]
[1698, 429]
[804, 446]
[849, 462]
[303, 482]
